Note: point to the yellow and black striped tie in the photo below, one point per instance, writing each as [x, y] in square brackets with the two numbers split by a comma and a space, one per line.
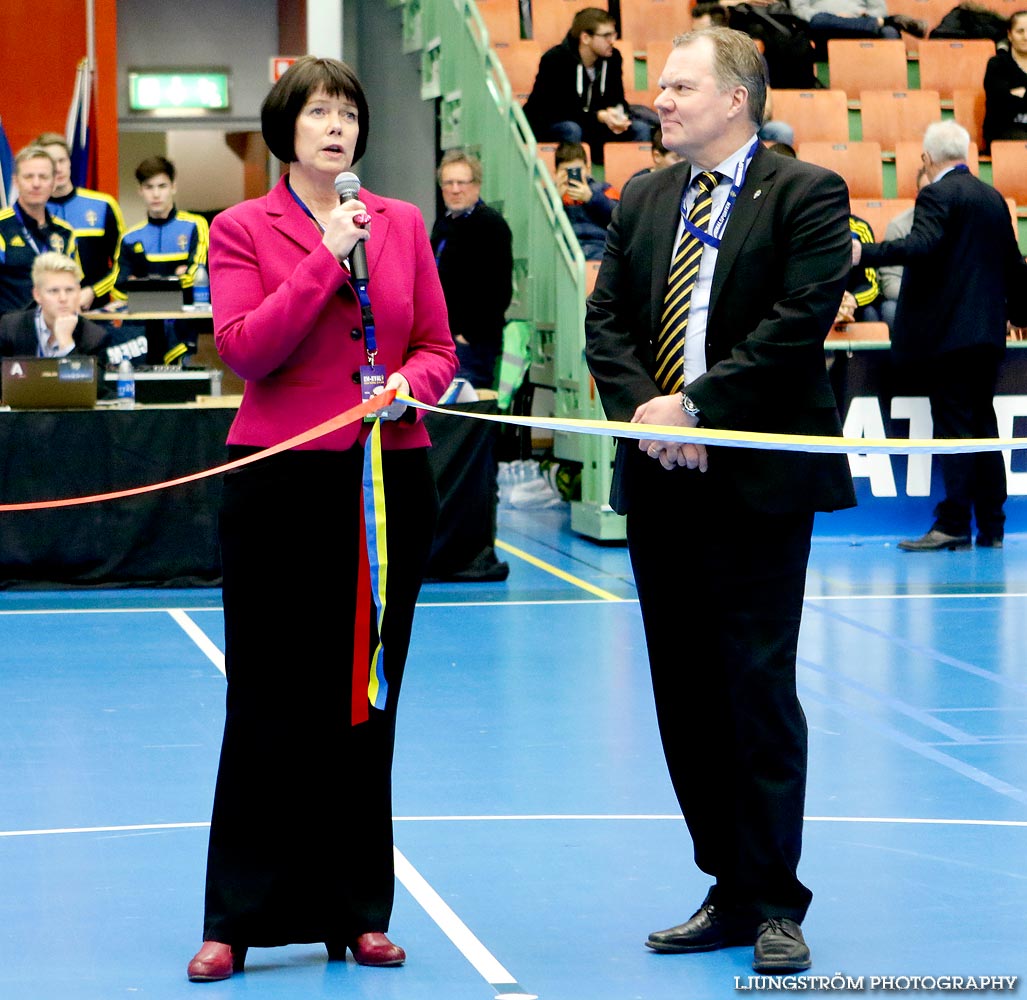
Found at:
[670, 345]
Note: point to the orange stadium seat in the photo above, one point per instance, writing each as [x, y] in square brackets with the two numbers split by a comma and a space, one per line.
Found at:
[503, 20]
[816, 115]
[1009, 169]
[856, 64]
[551, 19]
[878, 212]
[891, 116]
[907, 163]
[1005, 8]
[520, 63]
[591, 273]
[622, 159]
[968, 110]
[656, 56]
[858, 162]
[655, 20]
[948, 64]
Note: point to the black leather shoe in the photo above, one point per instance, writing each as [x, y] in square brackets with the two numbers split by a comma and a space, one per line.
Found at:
[935, 541]
[780, 947]
[709, 928]
[988, 542]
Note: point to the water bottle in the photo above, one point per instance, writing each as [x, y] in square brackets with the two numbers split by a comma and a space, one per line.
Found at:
[126, 385]
[201, 287]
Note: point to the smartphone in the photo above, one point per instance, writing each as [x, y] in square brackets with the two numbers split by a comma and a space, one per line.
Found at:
[574, 174]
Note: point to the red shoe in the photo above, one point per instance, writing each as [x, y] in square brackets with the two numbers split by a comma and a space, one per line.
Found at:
[215, 961]
[376, 949]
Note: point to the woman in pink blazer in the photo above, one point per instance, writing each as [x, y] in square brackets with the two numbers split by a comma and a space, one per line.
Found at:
[301, 834]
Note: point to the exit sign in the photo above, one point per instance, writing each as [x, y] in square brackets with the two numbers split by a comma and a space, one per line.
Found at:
[171, 92]
[279, 64]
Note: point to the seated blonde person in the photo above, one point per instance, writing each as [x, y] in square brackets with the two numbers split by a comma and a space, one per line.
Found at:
[52, 327]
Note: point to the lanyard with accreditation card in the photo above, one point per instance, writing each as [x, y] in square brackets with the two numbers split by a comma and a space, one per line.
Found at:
[372, 376]
[712, 238]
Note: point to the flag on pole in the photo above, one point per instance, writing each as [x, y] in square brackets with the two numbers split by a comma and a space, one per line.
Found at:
[80, 131]
[6, 169]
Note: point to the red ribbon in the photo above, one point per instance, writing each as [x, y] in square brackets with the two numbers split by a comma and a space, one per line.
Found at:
[351, 415]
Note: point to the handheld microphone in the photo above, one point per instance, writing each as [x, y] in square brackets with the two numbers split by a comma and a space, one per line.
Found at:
[347, 186]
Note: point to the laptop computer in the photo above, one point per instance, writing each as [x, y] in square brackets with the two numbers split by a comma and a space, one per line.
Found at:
[154, 295]
[48, 383]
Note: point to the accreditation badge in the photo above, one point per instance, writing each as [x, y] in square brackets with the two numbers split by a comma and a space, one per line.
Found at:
[372, 377]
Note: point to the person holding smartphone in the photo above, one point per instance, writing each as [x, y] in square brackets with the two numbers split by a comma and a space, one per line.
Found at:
[588, 203]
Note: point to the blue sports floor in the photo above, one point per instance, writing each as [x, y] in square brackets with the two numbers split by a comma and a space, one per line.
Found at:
[537, 833]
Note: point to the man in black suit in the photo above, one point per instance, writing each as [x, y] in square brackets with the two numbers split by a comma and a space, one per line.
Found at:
[52, 328]
[719, 541]
[963, 278]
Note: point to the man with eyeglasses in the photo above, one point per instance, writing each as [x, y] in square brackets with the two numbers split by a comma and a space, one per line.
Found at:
[578, 94]
[474, 254]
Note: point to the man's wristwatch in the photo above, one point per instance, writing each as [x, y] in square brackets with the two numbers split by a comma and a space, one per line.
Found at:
[689, 407]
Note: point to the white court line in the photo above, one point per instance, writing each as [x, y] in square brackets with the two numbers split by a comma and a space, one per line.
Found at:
[660, 817]
[518, 604]
[484, 962]
[909, 597]
[543, 817]
[451, 925]
[103, 611]
[200, 637]
[134, 828]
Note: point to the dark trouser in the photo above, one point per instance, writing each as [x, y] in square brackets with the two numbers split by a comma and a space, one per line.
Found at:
[301, 835]
[962, 393]
[596, 134]
[478, 364]
[721, 589]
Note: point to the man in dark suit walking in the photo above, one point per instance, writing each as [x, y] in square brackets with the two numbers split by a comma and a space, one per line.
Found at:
[719, 542]
[963, 278]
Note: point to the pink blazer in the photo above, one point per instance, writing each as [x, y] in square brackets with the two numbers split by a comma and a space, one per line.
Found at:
[287, 320]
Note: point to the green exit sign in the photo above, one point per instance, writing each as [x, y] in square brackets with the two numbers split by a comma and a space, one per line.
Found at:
[171, 92]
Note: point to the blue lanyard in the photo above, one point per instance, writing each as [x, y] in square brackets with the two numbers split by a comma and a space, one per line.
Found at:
[445, 239]
[25, 229]
[366, 315]
[712, 238]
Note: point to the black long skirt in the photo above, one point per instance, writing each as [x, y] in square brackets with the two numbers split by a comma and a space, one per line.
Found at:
[301, 833]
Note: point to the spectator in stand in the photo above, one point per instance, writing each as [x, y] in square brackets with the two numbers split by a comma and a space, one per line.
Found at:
[170, 243]
[474, 253]
[588, 203]
[578, 94]
[863, 282]
[95, 217]
[890, 275]
[52, 326]
[710, 15]
[27, 228]
[1005, 86]
[855, 19]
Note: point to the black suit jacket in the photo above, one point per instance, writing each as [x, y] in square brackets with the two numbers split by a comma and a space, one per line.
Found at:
[18, 335]
[783, 263]
[963, 272]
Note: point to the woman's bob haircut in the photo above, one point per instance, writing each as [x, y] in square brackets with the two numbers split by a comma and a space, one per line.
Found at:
[294, 88]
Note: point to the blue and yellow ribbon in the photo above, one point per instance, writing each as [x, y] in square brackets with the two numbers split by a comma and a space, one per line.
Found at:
[377, 556]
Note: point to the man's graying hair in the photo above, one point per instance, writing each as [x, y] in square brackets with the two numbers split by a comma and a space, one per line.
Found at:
[946, 140]
[736, 63]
